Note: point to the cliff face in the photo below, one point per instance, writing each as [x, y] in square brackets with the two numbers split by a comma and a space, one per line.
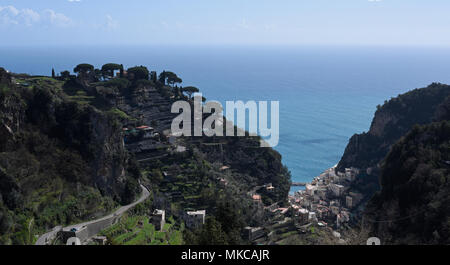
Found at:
[60, 161]
[413, 206]
[392, 121]
[63, 157]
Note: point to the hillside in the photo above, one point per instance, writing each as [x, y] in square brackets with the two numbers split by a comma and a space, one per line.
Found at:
[60, 161]
[392, 121]
[73, 148]
[413, 204]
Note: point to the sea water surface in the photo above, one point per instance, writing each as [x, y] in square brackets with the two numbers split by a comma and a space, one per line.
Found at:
[326, 94]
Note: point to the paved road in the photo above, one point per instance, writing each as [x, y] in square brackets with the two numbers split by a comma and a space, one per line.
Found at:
[42, 239]
[48, 237]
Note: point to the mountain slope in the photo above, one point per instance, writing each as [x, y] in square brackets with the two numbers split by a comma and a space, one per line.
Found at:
[413, 206]
[392, 121]
[60, 161]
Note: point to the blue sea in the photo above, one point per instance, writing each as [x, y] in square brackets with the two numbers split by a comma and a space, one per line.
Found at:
[326, 94]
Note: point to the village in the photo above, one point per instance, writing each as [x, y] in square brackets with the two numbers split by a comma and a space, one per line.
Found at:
[326, 202]
[327, 199]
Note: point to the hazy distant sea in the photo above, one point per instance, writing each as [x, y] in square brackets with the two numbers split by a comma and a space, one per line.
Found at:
[326, 94]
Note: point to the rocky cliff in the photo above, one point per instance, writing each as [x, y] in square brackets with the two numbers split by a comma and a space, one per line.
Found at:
[413, 206]
[73, 148]
[60, 160]
[392, 121]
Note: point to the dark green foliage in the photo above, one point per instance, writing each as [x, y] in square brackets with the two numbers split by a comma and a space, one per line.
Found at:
[108, 69]
[190, 90]
[65, 75]
[144, 83]
[210, 234]
[66, 161]
[120, 83]
[71, 86]
[414, 203]
[443, 110]
[172, 78]
[61, 165]
[83, 68]
[138, 72]
[392, 121]
[5, 78]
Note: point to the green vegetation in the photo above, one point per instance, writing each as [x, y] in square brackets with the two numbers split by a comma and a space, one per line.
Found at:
[414, 203]
[66, 163]
[138, 230]
[120, 114]
[53, 166]
[83, 68]
[190, 90]
[392, 121]
[108, 70]
[138, 73]
[82, 98]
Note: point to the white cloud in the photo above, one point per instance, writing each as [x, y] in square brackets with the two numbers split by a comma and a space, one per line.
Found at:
[111, 24]
[57, 19]
[9, 15]
[74, 1]
[29, 16]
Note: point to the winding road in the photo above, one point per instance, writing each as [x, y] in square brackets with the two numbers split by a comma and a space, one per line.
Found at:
[47, 237]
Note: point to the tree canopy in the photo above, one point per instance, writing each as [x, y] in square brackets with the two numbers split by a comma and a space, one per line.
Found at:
[190, 90]
[83, 68]
[109, 68]
[170, 77]
[65, 75]
[138, 72]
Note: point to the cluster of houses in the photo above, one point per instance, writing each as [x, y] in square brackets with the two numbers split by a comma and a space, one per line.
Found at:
[138, 133]
[326, 200]
[145, 142]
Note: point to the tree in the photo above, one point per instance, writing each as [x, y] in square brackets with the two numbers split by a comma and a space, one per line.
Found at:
[153, 76]
[121, 71]
[65, 75]
[170, 77]
[53, 73]
[173, 79]
[109, 68]
[162, 77]
[138, 72]
[212, 233]
[83, 69]
[190, 90]
[98, 74]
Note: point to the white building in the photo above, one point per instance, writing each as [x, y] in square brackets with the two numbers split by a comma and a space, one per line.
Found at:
[159, 219]
[336, 189]
[195, 219]
[310, 189]
[303, 216]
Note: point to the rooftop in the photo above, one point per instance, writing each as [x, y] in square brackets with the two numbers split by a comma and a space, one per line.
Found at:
[199, 212]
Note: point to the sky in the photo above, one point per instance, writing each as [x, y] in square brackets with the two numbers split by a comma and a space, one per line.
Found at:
[225, 22]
